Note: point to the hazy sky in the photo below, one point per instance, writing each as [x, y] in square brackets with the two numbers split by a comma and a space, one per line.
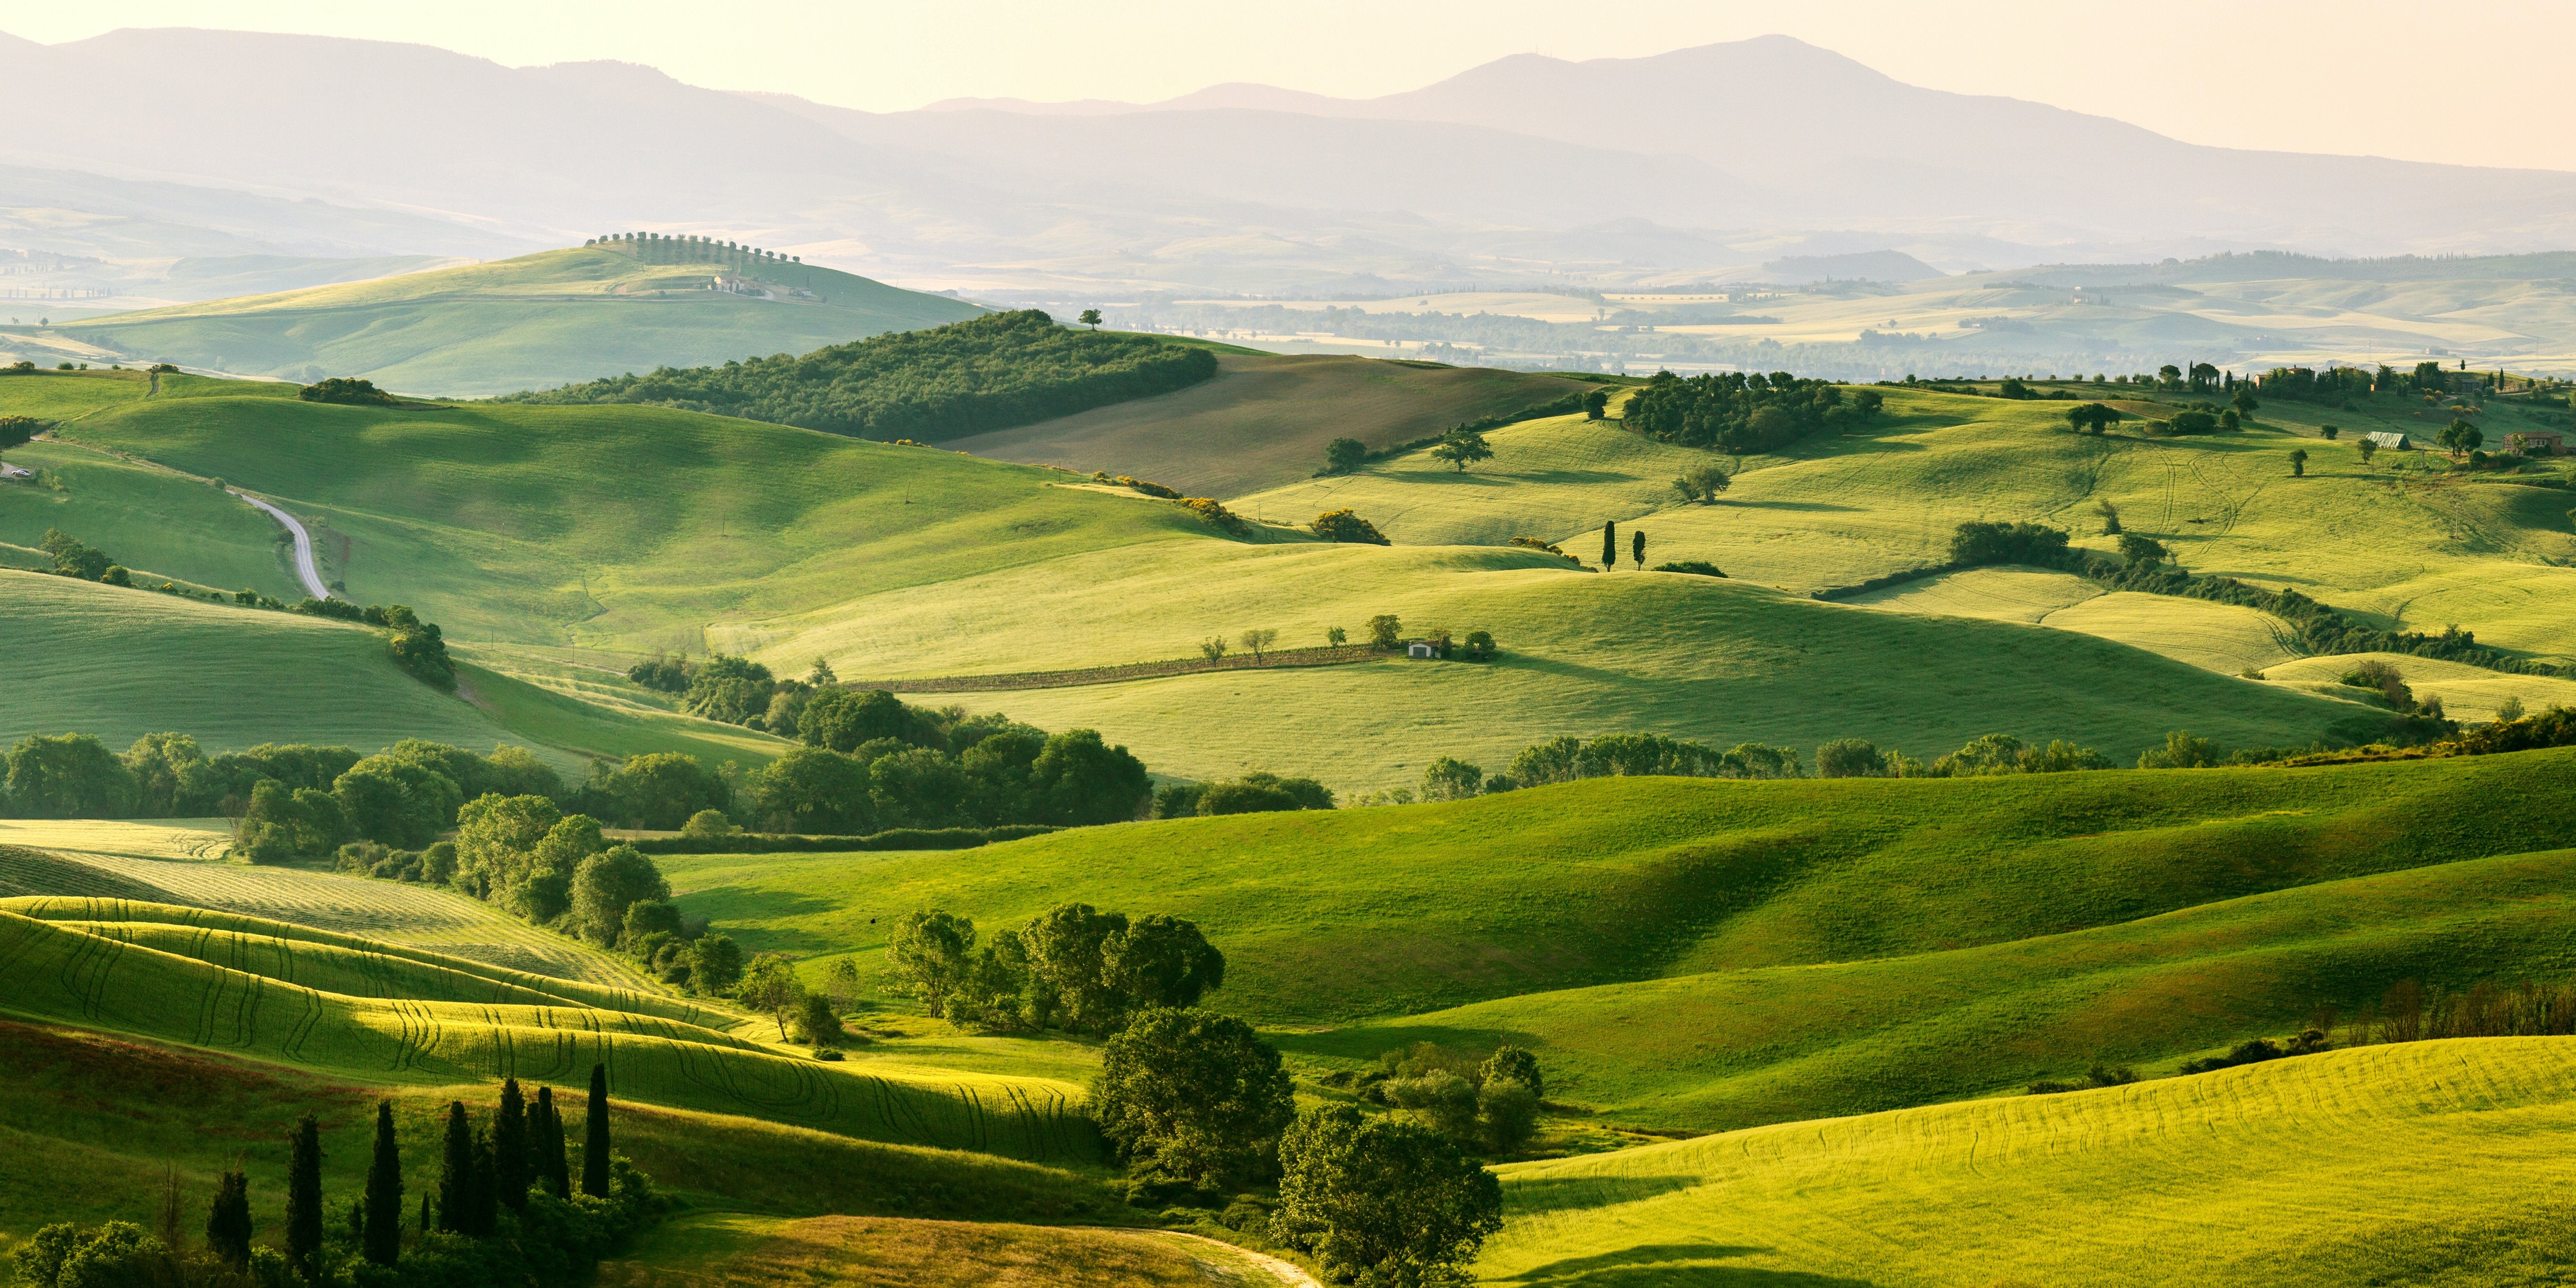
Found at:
[2470, 82]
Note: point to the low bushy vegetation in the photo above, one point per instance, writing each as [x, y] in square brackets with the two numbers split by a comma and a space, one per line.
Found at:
[346, 391]
[1258, 792]
[986, 373]
[1739, 412]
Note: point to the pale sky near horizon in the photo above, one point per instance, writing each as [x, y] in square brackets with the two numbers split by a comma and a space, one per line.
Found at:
[2483, 85]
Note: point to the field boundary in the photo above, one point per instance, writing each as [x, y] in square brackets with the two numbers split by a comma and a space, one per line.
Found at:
[1294, 657]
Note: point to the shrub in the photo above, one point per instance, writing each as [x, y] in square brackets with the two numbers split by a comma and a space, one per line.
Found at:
[1261, 792]
[1342, 455]
[1346, 526]
[346, 390]
[1695, 567]
[1478, 647]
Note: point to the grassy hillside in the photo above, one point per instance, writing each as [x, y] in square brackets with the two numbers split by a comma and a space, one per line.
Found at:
[93, 1119]
[511, 324]
[1264, 420]
[2422, 549]
[728, 1250]
[1336, 916]
[121, 663]
[2426, 1163]
[1739, 1048]
[64, 974]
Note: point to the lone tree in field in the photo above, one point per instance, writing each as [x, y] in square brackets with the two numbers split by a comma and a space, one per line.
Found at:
[2328, 432]
[1090, 318]
[1462, 447]
[384, 1213]
[1596, 404]
[594, 1139]
[1342, 455]
[2298, 462]
[304, 1199]
[2091, 417]
[1257, 641]
[1382, 1198]
[1610, 545]
[1637, 548]
[2367, 447]
[1189, 1095]
[1703, 482]
[2460, 437]
[769, 986]
[1385, 632]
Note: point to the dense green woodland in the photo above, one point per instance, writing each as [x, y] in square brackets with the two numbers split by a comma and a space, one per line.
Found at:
[993, 372]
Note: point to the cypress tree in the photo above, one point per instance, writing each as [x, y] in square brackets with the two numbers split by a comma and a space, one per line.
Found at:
[594, 1137]
[425, 1226]
[304, 1200]
[486, 1219]
[456, 1171]
[382, 1237]
[1610, 544]
[510, 1147]
[1637, 546]
[548, 1165]
[228, 1227]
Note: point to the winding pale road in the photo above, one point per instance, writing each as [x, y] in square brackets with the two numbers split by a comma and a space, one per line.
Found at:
[304, 566]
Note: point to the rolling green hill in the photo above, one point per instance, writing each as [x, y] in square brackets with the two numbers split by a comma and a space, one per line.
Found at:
[2424, 1163]
[510, 324]
[121, 663]
[1337, 916]
[62, 973]
[1264, 420]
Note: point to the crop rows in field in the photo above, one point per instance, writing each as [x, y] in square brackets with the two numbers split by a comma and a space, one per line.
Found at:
[62, 972]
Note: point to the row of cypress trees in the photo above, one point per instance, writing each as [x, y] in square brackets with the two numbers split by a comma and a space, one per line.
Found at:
[483, 1170]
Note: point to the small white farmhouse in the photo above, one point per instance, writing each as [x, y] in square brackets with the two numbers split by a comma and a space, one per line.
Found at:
[2392, 442]
[1420, 648]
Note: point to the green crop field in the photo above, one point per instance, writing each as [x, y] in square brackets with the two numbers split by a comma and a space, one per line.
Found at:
[1264, 420]
[536, 320]
[2423, 1163]
[65, 974]
[1337, 916]
[731, 1250]
[121, 663]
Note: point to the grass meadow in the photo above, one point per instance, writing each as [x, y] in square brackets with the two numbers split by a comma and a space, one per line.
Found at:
[730, 1250]
[537, 320]
[2424, 1163]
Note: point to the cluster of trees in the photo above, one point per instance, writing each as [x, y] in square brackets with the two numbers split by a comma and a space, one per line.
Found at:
[348, 391]
[986, 373]
[526, 856]
[72, 558]
[2334, 385]
[402, 795]
[17, 431]
[1488, 1102]
[1741, 411]
[1258, 792]
[1994, 753]
[508, 1207]
[1072, 967]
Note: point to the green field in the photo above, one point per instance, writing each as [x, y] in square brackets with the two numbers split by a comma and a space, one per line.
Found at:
[64, 973]
[121, 663]
[1264, 420]
[537, 320]
[2425, 1163]
[738, 1251]
[1336, 917]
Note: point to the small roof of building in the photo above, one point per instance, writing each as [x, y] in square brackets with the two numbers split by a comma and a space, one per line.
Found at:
[2386, 439]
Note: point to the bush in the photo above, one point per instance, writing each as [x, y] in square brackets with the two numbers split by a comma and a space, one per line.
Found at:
[348, 391]
[1259, 792]
[1346, 526]
[1696, 567]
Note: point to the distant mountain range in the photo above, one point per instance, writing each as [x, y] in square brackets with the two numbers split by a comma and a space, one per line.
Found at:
[1529, 169]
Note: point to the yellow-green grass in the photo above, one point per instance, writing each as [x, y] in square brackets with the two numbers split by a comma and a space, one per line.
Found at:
[159, 525]
[1720, 662]
[2425, 1163]
[1740, 1048]
[2485, 552]
[89, 1122]
[536, 320]
[394, 914]
[722, 1250]
[119, 663]
[2468, 693]
[353, 965]
[622, 526]
[63, 975]
[2225, 638]
[168, 838]
[1995, 594]
[1264, 420]
[1342, 915]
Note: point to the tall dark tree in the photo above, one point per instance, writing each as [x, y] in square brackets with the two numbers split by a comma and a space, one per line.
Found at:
[551, 1166]
[383, 1235]
[456, 1172]
[485, 1210]
[304, 1200]
[510, 1147]
[1637, 547]
[1610, 544]
[228, 1227]
[594, 1136]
